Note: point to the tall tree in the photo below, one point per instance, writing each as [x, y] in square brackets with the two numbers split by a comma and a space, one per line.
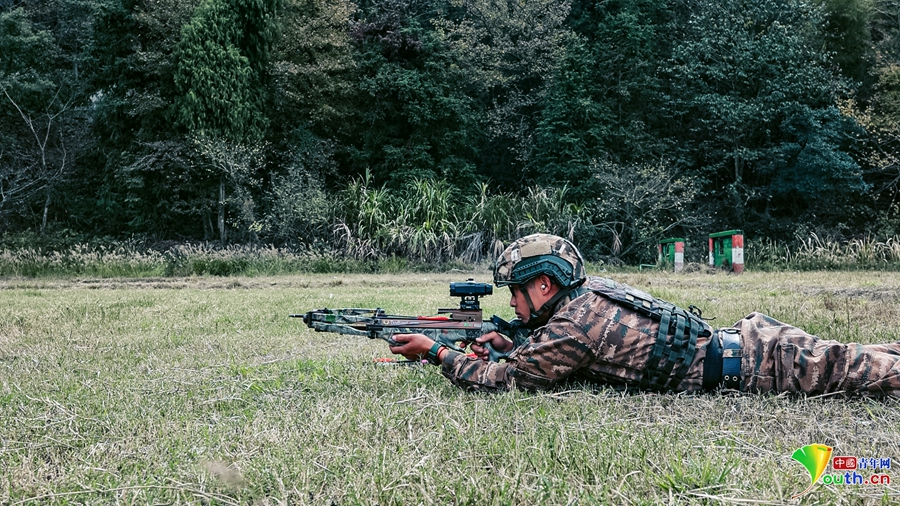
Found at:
[879, 113]
[573, 122]
[221, 67]
[313, 67]
[510, 52]
[604, 98]
[847, 35]
[214, 76]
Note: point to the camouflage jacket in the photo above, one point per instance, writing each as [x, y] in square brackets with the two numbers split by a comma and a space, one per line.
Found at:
[589, 338]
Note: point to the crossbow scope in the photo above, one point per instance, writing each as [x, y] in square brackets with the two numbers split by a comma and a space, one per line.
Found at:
[469, 291]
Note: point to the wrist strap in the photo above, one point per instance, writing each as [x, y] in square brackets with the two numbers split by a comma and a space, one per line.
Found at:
[433, 353]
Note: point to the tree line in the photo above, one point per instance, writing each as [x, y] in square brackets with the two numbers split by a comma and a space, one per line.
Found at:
[326, 122]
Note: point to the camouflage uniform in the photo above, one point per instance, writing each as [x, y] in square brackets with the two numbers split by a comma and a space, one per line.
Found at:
[782, 358]
[595, 338]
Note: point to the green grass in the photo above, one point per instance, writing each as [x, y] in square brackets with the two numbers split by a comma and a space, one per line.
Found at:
[200, 390]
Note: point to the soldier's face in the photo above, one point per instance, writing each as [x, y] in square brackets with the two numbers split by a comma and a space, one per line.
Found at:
[518, 302]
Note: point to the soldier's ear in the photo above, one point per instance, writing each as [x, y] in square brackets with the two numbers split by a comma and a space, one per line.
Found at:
[545, 281]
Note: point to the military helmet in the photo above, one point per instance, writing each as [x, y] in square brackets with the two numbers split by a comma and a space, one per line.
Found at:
[533, 255]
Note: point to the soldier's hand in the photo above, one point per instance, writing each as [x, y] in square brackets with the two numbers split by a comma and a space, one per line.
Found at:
[496, 340]
[412, 346]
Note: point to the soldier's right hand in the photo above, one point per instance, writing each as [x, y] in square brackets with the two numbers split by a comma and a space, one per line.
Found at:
[496, 340]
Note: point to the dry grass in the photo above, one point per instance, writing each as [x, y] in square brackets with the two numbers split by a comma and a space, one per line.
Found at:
[201, 391]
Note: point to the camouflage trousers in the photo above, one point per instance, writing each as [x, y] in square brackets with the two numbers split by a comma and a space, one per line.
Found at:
[782, 358]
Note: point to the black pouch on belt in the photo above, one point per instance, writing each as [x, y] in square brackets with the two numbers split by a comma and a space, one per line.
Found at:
[722, 365]
[712, 364]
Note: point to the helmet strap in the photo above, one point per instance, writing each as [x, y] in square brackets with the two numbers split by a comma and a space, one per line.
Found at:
[550, 304]
[534, 315]
[545, 308]
[524, 290]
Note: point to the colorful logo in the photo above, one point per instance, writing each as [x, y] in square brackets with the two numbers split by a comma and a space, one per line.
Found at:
[815, 459]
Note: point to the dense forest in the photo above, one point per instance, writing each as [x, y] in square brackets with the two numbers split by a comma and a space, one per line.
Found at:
[433, 129]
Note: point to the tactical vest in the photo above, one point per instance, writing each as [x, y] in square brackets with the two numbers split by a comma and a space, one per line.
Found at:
[676, 340]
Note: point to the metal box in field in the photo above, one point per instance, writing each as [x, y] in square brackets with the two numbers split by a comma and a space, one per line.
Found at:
[671, 251]
[726, 250]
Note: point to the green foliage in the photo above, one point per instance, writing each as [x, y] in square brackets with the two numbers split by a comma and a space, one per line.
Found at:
[419, 223]
[605, 95]
[235, 165]
[41, 118]
[300, 210]
[412, 117]
[754, 97]
[507, 53]
[215, 77]
[26, 81]
[813, 166]
[134, 44]
[495, 220]
[574, 122]
[848, 36]
[221, 67]
[27, 53]
[139, 167]
[156, 188]
[244, 120]
[429, 221]
[313, 67]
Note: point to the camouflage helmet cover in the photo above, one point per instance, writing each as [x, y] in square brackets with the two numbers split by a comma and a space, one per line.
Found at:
[537, 254]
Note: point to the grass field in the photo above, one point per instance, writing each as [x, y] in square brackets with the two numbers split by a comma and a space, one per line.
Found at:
[202, 391]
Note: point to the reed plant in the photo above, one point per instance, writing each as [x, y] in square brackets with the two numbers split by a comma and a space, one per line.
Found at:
[403, 247]
[431, 222]
[816, 253]
[419, 223]
[202, 259]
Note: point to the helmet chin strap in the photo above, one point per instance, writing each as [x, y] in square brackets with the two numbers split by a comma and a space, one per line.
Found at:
[534, 316]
